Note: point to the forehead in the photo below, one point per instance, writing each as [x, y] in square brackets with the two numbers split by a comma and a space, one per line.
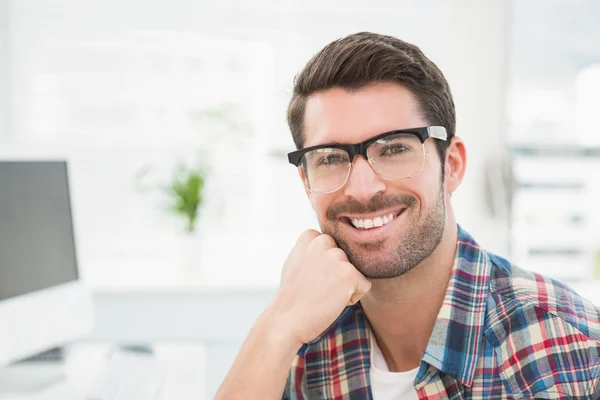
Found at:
[336, 115]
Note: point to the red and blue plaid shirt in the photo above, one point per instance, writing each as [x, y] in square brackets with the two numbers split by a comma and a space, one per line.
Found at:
[501, 332]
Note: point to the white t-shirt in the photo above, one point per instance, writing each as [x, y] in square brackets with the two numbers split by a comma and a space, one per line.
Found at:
[386, 385]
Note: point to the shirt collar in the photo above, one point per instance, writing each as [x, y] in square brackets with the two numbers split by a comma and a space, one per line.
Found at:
[457, 334]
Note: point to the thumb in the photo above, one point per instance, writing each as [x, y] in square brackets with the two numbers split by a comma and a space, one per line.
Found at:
[363, 285]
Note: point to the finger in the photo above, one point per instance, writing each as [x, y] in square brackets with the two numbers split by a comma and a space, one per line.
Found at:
[302, 243]
[338, 254]
[354, 299]
[323, 241]
[307, 237]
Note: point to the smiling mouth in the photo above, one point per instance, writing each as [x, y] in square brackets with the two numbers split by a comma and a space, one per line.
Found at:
[372, 223]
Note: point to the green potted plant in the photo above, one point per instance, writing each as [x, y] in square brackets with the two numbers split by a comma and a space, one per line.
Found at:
[185, 194]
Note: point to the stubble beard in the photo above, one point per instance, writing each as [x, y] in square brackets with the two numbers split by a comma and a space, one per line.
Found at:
[421, 239]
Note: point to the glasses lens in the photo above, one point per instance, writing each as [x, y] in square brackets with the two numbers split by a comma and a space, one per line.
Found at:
[325, 170]
[397, 156]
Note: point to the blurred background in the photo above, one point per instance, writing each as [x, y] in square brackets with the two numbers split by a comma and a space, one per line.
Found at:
[145, 99]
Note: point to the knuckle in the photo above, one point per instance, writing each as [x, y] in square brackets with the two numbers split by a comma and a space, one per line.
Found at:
[324, 241]
[338, 253]
[307, 236]
[348, 271]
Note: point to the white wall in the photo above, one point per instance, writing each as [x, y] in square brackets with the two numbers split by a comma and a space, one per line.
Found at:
[4, 73]
[479, 50]
[70, 54]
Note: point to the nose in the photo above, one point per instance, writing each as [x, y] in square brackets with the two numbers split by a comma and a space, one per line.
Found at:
[363, 182]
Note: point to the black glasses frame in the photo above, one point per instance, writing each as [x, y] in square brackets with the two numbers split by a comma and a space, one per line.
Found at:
[423, 133]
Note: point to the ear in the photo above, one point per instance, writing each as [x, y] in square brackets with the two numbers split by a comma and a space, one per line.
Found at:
[456, 163]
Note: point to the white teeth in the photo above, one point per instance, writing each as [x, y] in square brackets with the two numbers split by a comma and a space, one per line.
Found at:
[370, 223]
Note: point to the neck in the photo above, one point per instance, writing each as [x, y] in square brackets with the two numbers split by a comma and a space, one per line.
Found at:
[402, 311]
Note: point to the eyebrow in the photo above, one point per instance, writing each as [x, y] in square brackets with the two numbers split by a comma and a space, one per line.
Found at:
[331, 143]
[335, 143]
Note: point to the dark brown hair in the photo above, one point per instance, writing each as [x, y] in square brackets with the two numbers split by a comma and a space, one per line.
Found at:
[365, 58]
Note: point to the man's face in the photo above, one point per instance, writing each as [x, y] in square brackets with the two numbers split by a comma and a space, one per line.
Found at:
[417, 205]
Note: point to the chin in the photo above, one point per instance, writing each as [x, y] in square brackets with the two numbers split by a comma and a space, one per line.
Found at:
[378, 264]
[381, 272]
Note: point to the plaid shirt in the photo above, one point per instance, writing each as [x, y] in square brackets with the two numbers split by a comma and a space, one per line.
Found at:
[501, 332]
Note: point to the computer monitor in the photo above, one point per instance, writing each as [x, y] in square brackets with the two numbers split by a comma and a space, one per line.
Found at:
[43, 303]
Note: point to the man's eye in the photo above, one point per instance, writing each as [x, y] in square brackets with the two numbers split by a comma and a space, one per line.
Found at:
[334, 159]
[395, 149]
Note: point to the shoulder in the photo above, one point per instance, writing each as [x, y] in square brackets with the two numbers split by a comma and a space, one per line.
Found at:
[512, 288]
[545, 336]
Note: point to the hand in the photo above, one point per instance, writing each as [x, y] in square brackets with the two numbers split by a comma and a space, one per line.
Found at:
[317, 282]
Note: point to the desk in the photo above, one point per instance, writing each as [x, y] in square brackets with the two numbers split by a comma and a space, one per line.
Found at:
[183, 363]
[178, 306]
[198, 327]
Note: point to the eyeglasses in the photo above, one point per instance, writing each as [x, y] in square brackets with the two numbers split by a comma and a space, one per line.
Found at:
[394, 155]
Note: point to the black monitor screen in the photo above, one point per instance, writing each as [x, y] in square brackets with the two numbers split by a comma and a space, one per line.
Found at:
[37, 246]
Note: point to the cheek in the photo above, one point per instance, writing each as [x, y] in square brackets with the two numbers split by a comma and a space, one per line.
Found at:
[430, 180]
[320, 203]
[425, 187]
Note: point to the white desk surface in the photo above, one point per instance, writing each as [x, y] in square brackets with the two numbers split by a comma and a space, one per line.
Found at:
[183, 363]
[149, 279]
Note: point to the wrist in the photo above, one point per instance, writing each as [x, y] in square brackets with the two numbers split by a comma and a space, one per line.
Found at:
[277, 327]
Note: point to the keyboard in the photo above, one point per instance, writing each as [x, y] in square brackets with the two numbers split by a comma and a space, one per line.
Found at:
[128, 375]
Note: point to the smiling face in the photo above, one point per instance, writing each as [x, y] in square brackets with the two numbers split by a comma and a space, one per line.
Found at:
[385, 227]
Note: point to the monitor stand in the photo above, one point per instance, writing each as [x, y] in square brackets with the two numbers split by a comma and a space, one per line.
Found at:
[35, 373]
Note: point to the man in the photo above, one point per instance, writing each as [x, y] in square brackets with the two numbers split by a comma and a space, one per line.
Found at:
[438, 317]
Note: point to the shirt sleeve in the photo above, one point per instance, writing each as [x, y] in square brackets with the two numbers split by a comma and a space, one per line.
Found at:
[295, 387]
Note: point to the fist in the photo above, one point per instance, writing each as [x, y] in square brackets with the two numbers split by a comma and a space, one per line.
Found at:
[317, 282]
